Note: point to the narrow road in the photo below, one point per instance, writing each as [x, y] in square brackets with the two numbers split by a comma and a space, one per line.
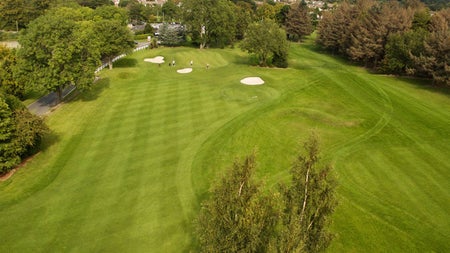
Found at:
[44, 104]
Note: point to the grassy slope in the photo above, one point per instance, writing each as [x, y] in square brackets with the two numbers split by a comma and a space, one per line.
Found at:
[130, 161]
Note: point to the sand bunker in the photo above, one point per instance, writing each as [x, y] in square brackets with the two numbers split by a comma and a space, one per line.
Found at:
[184, 71]
[157, 59]
[252, 81]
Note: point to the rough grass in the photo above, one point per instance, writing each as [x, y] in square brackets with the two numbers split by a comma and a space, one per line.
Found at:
[129, 161]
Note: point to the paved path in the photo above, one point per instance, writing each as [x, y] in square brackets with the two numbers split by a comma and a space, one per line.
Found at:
[44, 104]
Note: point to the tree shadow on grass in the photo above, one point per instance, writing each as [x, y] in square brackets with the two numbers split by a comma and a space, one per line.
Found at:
[94, 92]
[425, 84]
[49, 140]
[125, 63]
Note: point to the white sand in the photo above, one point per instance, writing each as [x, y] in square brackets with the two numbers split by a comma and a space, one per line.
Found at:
[184, 71]
[157, 59]
[252, 81]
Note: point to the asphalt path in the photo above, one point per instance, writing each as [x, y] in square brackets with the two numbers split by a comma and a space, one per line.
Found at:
[45, 104]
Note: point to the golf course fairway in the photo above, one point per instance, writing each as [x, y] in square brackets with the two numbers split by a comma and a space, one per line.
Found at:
[128, 162]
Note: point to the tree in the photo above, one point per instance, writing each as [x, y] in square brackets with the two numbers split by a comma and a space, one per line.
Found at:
[111, 13]
[370, 31]
[334, 30]
[136, 12]
[171, 11]
[435, 60]
[20, 132]
[282, 15]
[400, 48]
[266, 11]
[29, 131]
[210, 22]
[265, 39]
[8, 79]
[308, 203]
[237, 217]
[244, 17]
[8, 155]
[171, 35]
[16, 14]
[114, 39]
[59, 49]
[298, 22]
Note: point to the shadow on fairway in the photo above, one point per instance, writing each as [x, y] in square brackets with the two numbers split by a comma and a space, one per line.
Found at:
[48, 140]
[125, 63]
[95, 90]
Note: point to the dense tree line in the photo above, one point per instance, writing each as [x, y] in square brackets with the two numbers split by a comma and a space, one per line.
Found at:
[240, 216]
[392, 37]
[20, 131]
[66, 45]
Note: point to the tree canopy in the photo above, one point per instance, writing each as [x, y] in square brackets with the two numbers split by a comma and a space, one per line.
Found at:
[58, 49]
[16, 14]
[298, 22]
[399, 38]
[20, 132]
[265, 39]
[210, 22]
[240, 216]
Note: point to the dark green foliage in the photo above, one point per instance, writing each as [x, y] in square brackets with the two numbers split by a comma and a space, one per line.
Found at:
[8, 80]
[171, 11]
[113, 38]
[265, 39]
[16, 14]
[210, 22]
[400, 48]
[59, 49]
[244, 17]
[171, 35]
[298, 22]
[238, 217]
[280, 60]
[437, 4]
[8, 154]
[282, 16]
[20, 132]
[136, 12]
[111, 13]
[29, 131]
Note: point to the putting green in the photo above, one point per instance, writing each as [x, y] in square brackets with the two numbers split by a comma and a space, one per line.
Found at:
[129, 162]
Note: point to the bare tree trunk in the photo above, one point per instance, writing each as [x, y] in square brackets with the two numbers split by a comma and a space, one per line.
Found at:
[59, 94]
[110, 63]
[302, 214]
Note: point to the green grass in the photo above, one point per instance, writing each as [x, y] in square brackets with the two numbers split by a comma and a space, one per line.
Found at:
[129, 162]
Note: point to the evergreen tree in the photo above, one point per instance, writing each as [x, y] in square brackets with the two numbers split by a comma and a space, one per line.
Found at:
[171, 36]
[298, 22]
[435, 60]
[8, 154]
